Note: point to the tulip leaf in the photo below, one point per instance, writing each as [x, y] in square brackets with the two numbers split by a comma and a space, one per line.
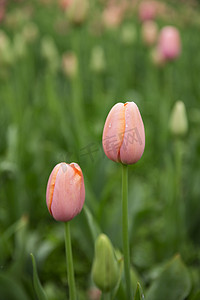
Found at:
[36, 282]
[121, 268]
[94, 228]
[138, 293]
[173, 282]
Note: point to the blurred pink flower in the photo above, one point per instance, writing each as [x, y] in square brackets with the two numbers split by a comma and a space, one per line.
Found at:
[64, 4]
[169, 43]
[70, 64]
[94, 293]
[147, 10]
[113, 14]
[149, 32]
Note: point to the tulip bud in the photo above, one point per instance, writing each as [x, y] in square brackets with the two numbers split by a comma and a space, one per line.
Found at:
[149, 32]
[147, 10]
[128, 34]
[98, 61]
[65, 194]
[70, 64]
[105, 270]
[77, 10]
[123, 134]
[49, 52]
[178, 120]
[19, 46]
[169, 43]
[30, 32]
[157, 57]
[112, 16]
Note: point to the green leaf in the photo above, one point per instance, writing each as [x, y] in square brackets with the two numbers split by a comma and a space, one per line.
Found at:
[138, 293]
[121, 268]
[94, 228]
[173, 283]
[36, 282]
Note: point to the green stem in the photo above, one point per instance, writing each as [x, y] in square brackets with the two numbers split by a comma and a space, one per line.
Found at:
[70, 267]
[178, 205]
[125, 230]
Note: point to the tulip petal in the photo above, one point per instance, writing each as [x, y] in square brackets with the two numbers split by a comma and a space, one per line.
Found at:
[133, 144]
[50, 187]
[114, 131]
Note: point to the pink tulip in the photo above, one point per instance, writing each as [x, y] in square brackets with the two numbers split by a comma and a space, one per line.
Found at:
[123, 134]
[169, 44]
[65, 194]
[113, 15]
[147, 10]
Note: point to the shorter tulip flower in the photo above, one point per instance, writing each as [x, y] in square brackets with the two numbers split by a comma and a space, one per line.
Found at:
[169, 43]
[123, 134]
[65, 194]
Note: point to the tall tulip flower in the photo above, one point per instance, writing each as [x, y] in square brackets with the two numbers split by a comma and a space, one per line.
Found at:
[123, 134]
[65, 197]
[124, 141]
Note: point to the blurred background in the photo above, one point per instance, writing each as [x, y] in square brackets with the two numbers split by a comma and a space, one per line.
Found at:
[63, 65]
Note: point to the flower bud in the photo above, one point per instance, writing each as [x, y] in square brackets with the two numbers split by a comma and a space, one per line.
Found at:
[98, 61]
[128, 34]
[113, 15]
[77, 10]
[65, 194]
[49, 52]
[147, 10]
[70, 64]
[157, 57]
[19, 46]
[149, 32]
[105, 270]
[178, 123]
[6, 51]
[123, 135]
[169, 43]
[30, 32]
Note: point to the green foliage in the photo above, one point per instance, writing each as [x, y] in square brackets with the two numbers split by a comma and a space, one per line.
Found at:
[172, 283]
[138, 293]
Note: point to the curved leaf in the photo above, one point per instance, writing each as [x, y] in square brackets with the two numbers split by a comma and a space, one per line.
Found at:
[36, 282]
[173, 283]
[138, 293]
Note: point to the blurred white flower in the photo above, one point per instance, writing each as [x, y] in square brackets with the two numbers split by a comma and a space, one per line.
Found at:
[50, 53]
[98, 61]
